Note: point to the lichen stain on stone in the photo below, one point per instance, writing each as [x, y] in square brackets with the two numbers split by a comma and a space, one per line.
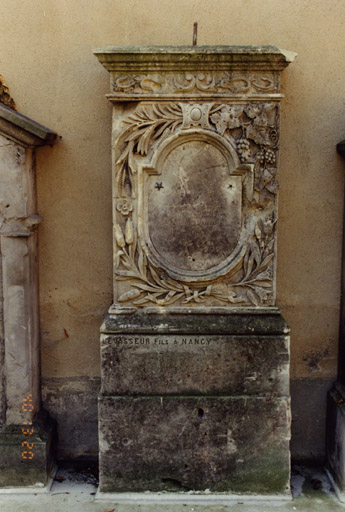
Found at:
[5, 96]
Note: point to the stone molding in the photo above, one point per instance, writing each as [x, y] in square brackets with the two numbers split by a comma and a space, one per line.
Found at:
[185, 72]
[24, 130]
[190, 58]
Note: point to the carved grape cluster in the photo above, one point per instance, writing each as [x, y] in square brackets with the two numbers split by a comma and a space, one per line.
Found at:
[243, 147]
[270, 157]
[266, 156]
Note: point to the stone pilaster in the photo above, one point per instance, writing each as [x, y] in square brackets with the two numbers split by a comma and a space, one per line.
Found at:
[25, 431]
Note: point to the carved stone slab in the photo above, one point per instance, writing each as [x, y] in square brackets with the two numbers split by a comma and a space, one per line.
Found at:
[196, 148]
[195, 176]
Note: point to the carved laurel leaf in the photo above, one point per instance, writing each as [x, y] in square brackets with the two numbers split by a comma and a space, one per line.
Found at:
[155, 276]
[141, 302]
[117, 258]
[264, 284]
[252, 297]
[130, 295]
[142, 263]
[126, 274]
[263, 276]
[163, 127]
[253, 264]
[265, 262]
[127, 264]
[146, 287]
[132, 163]
[174, 285]
[173, 299]
[262, 293]
[135, 135]
[249, 266]
[124, 154]
[146, 124]
[144, 141]
[269, 247]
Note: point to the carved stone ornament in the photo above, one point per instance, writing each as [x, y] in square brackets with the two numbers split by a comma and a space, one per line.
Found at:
[196, 144]
[5, 97]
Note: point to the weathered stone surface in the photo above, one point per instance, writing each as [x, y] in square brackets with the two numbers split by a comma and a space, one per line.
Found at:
[20, 399]
[195, 188]
[195, 355]
[5, 97]
[217, 443]
[221, 365]
[241, 322]
[27, 460]
[195, 166]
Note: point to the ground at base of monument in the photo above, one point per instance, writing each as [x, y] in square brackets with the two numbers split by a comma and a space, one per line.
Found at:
[74, 490]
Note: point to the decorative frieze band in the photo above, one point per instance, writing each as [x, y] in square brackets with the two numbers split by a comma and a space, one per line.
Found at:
[209, 83]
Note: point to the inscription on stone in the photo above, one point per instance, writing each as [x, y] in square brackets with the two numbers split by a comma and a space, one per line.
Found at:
[162, 363]
[136, 341]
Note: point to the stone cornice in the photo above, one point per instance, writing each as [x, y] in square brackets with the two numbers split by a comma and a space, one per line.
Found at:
[189, 58]
[24, 130]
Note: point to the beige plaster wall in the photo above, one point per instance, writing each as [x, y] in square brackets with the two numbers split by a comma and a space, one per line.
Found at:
[46, 59]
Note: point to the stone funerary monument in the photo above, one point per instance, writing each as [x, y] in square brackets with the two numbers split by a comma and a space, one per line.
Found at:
[194, 352]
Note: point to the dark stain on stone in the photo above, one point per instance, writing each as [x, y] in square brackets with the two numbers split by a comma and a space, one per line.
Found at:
[313, 359]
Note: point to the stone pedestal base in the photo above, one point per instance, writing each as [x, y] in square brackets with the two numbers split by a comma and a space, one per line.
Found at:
[336, 437]
[16, 471]
[194, 443]
[195, 402]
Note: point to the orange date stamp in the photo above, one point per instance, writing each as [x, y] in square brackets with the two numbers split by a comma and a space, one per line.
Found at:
[28, 430]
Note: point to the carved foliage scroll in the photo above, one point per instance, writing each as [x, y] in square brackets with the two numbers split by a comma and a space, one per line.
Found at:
[175, 83]
[252, 130]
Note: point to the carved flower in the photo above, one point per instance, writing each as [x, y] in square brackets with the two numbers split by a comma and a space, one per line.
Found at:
[227, 117]
[124, 206]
